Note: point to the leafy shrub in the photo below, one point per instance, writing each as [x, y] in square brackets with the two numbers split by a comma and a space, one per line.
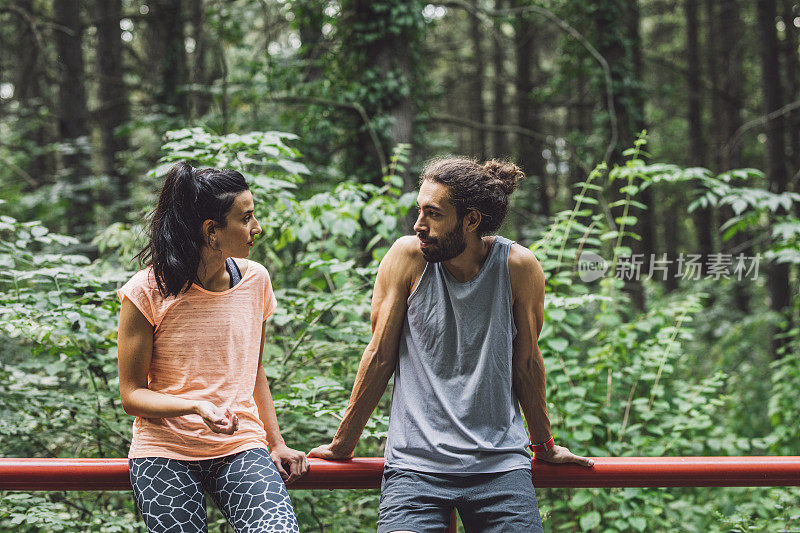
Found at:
[619, 382]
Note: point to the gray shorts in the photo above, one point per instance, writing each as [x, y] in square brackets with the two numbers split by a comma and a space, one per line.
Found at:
[421, 502]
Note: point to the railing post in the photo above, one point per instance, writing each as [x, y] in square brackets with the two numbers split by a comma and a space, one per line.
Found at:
[453, 527]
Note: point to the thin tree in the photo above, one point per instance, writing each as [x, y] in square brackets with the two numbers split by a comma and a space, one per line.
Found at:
[73, 124]
[778, 275]
[477, 86]
[113, 99]
[528, 112]
[702, 217]
[28, 79]
[167, 50]
[791, 62]
[616, 32]
[499, 138]
[199, 72]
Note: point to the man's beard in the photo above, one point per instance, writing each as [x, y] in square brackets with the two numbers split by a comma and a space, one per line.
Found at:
[447, 247]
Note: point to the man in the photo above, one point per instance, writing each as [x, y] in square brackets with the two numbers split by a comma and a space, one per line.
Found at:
[456, 315]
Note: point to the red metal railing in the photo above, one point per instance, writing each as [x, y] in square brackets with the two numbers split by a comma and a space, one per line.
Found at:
[365, 473]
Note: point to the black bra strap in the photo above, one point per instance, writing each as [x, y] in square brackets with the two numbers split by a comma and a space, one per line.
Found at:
[233, 271]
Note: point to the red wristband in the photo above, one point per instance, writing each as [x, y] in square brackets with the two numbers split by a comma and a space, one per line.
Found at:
[543, 447]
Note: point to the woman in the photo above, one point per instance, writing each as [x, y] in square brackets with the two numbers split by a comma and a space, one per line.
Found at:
[191, 334]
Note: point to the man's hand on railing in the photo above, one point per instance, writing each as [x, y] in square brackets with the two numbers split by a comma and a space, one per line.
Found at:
[329, 452]
[560, 454]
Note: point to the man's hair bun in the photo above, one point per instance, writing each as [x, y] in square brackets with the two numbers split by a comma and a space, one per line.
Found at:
[506, 173]
[484, 187]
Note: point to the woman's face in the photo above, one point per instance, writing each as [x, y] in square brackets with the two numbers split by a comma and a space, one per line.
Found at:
[236, 238]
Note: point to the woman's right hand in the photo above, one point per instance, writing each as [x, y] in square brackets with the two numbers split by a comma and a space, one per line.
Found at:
[217, 420]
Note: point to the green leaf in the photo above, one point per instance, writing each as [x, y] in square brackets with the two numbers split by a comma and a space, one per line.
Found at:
[590, 520]
[585, 199]
[581, 498]
[558, 344]
[739, 206]
[161, 170]
[592, 419]
[293, 167]
[627, 220]
[638, 523]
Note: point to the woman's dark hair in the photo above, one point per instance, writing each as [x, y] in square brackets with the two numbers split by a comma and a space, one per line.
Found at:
[189, 197]
[482, 187]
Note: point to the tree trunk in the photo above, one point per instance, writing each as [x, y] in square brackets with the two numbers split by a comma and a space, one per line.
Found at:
[792, 68]
[73, 123]
[617, 37]
[27, 76]
[579, 120]
[731, 73]
[310, 17]
[403, 111]
[646, 227]
[778, 274]
[612, 31]
[697, 143]
[476, 92]
[112, 95]
[713, 52]
[702, 217]
[167, 49]
[370, 55]
[499, 139]
[732, 101]
[530, 149]
[672, 204]
[402, 114]
[199, 75]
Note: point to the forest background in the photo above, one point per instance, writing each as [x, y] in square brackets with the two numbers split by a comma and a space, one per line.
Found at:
[688, 345]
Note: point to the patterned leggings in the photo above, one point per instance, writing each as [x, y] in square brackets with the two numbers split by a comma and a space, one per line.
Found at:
[246, 487]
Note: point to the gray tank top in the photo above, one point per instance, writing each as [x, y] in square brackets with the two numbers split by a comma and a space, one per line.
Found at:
[453, 406]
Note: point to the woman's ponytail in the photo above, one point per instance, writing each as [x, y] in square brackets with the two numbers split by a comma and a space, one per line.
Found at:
[187, 199]
[182, 185]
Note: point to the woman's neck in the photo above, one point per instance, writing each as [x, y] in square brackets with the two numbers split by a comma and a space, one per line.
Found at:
[212, 274]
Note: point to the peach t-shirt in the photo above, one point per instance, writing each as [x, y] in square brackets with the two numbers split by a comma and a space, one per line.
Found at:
[205, 347]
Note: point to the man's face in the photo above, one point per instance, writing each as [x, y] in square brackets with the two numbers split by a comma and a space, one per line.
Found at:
[440, 231]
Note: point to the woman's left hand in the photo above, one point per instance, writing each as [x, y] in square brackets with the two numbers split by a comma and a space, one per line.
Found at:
[291, 464]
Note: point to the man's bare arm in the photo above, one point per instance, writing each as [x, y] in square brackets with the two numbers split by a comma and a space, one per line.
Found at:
[527, 287]
[392, 288]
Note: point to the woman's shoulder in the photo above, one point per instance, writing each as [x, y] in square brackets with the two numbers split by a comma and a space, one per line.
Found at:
[249, 267]
[144, 279]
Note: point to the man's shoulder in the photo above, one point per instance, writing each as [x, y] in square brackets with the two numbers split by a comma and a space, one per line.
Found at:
[406, 250]
[408, 244]
[523, 265]
[404, 261]
[521, 257]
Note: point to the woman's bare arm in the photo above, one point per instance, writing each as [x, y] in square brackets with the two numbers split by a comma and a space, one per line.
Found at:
[135, 349]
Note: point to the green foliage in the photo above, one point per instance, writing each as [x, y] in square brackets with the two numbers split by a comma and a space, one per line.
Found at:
[62, 308]
[619, 383]
[59, 373]
[693, 366]
[625, 384]
[755, 209]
